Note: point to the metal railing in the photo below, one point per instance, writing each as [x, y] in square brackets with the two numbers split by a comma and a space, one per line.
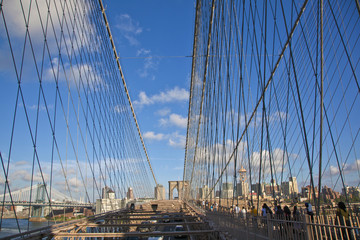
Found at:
[328, 226]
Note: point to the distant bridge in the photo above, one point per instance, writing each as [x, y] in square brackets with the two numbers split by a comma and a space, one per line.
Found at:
[36, 195]
[46, 204]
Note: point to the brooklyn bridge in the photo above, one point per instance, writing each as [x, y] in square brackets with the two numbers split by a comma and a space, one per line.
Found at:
[269, 97]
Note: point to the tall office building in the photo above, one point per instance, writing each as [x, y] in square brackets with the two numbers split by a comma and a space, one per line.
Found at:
[227, 190]
[290, 188]
[242, 187]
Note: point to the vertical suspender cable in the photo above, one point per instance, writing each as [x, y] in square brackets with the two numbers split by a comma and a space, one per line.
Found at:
[196, 30]
[358, 6]
[321, 97]
[290, 35]
[125, 87]
[203, 87]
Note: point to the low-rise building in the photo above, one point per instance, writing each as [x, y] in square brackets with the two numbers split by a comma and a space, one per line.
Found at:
[109, 202]
[329, 194]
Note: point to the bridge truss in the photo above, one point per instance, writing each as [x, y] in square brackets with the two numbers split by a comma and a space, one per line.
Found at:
[275, 90]
[67, 118]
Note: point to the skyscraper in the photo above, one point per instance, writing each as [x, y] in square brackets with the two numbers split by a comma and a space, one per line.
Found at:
[290, 188]
[242, 187]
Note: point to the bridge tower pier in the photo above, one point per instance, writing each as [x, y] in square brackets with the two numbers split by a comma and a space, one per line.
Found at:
[180, 186]
[37, 212]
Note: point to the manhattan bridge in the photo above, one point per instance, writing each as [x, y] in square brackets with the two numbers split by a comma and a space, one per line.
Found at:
[273, 118]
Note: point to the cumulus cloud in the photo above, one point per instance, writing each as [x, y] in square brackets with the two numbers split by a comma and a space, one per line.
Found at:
[174, 120]
[153, 136]
[37, 14]
[278, 156]
[74, 75]
[173, 95]
[26, 176]
[346, 168]
[175, 139]
[15, 20]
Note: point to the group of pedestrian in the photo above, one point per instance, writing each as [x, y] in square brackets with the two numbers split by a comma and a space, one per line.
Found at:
[280, 213]
[343, 217]
[238, 212]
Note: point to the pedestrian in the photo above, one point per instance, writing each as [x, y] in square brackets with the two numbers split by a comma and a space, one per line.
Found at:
[254, 211]
[287, 212]
[263, 210]
[279, 212]
[343, 216]
[296, 218]
[243, 213]
[237, 211]
[296, 214]
[309, 210]
[254, 215]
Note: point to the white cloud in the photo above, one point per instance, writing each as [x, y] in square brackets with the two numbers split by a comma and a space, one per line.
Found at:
[74, 75]
[177, 140]
[26, 176]
[74, 182]
[175, 120]
[41, 107]
[278, 158]
[143, 52]
[21, 163]
[163, 112]
[120, 108]
[172, 95]
[153, 136]
[278, 116]
[346, 168]
[15, 20]
[37, 14]
[129, 28]
[334, 170]
[179, 168]
[149, 63]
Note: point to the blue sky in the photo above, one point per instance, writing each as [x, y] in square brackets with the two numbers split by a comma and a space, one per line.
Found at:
[154, 40]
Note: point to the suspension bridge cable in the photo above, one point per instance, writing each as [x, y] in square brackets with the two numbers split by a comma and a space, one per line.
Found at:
[264, 90]
[125, 87]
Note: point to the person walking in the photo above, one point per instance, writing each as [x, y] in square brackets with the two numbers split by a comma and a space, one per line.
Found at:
[254, 215]
[309, 210]
[287, 213]
[343, 216]
[243, 213]
[237, 211]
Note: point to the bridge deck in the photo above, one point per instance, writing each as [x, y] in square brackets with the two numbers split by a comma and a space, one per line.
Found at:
[143, 222]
